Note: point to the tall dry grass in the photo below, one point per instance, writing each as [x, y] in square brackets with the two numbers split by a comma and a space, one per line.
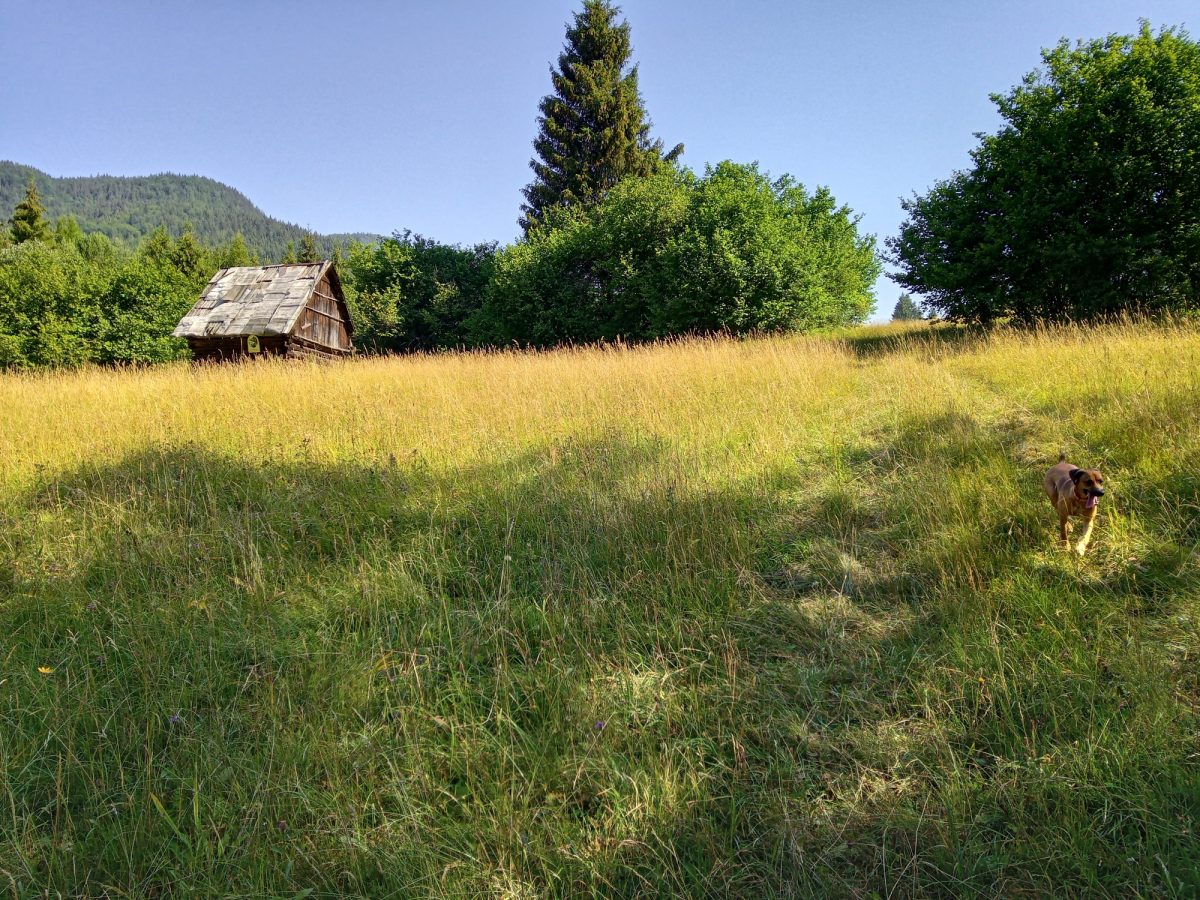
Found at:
[781, 616]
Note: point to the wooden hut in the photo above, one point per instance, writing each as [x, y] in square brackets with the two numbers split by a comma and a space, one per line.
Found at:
[294, 310]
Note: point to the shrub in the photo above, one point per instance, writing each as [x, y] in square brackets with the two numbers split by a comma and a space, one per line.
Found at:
[413, 293]
[676, 253]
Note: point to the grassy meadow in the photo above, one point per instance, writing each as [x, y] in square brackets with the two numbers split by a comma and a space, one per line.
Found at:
[779, 617]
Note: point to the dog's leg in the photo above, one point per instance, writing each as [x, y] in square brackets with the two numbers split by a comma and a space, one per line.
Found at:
[1089, 518]
[1063, 528]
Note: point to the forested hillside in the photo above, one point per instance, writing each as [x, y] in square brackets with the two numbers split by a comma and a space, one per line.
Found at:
[128, 209]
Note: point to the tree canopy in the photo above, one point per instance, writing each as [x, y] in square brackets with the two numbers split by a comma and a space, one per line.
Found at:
[1085, 203]
[593, 129]
[129, 209]
[309, 252]
[676, 253]
[69, 298]
[410, 292]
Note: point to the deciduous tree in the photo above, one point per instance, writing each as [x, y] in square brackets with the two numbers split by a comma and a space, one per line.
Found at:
[675, 253]
[1085, 203]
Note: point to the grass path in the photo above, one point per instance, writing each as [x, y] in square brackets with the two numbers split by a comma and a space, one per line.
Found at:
[778, 617]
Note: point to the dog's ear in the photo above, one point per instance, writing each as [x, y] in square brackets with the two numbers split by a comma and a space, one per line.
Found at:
[1076, 474]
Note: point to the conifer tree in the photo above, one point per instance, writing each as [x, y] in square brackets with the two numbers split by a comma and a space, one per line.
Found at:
[906, 309]
[67, 231]
[29, 218]
[236, 253]
[189, 255]
[308, 251]
[289, 255]
[593, 129]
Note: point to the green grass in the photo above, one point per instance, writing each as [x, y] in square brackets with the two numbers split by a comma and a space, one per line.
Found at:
[778, 617]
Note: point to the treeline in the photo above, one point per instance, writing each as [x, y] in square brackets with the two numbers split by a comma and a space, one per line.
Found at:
[129, 209]
[69, 298]
[676, 253]
[1084, 204]
[620, 241]
[731, 251]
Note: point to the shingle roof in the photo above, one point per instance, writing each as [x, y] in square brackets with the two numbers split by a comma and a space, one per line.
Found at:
[262, 300]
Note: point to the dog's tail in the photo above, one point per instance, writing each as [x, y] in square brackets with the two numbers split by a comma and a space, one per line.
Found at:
[1062, 457]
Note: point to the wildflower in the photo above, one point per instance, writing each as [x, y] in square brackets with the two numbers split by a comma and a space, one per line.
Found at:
[599, 726]
[46, 670]
[175, 719]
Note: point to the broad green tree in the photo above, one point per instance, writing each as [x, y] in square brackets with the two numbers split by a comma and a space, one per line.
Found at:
[29, 218]
[732, 251]
[409, 292]
[593, 130]
[79, 298]
[1085, 203]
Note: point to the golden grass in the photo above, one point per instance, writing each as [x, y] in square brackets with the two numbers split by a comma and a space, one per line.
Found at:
[777, 616]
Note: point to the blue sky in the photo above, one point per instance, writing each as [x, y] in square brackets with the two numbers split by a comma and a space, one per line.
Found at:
[378, 116]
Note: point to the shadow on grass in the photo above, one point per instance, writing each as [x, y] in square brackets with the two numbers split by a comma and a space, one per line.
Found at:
[575, 670]
[370, 678]
[876, 342]
[1016, 687]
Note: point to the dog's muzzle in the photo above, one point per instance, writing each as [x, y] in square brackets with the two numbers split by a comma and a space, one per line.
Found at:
[1092, 497]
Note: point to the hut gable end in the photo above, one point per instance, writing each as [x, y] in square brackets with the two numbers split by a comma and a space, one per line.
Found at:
[296, 309]
[324, 319]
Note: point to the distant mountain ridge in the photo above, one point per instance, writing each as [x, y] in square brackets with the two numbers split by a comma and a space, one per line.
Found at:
[127, 208]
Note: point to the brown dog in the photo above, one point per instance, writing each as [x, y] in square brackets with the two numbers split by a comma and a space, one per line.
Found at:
[1074, 492]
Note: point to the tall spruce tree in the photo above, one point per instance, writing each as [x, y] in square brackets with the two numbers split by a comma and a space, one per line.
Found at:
[593, 128]
[308, 251]
[906, 309]
[29, 218]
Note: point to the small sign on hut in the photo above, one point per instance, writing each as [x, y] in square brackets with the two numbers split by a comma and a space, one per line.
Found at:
[294, 310]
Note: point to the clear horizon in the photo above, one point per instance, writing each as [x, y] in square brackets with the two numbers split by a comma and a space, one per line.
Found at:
[384, 117]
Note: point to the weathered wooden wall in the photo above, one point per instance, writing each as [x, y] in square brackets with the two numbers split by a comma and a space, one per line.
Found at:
[322, 323]
[235, 347]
